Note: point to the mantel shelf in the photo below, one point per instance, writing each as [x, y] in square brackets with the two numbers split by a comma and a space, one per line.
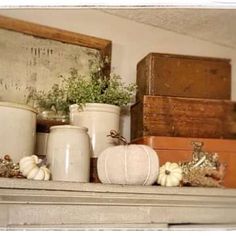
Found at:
[7, 183]
[54, 204]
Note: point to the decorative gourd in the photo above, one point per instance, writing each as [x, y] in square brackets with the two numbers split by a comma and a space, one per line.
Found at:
[128, 164]
[170, 175]
[30, 169]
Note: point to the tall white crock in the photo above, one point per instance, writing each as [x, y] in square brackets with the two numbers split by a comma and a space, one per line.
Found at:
[17, 130]
[99, 118]
[68, 153]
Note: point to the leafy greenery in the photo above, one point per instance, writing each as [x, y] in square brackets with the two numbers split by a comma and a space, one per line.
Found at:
[95, 87]
[55, 99]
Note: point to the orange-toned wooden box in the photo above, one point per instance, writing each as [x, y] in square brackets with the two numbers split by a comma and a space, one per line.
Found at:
[175, 149]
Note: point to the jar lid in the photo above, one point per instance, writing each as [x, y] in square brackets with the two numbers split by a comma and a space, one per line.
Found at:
[69, 127]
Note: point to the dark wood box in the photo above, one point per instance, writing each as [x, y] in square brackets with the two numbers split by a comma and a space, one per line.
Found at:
[175, 149]
[183, 117]
[184, 76]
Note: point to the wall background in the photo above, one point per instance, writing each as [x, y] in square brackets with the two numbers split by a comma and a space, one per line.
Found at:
[131, 41]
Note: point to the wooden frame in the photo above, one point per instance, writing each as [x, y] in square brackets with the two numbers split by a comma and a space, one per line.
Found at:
[41, 31]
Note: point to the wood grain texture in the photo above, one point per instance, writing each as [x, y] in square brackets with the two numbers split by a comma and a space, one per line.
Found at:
[183, 117]
[185, 76]
[53, 33]
[93, 171]
[175, 149]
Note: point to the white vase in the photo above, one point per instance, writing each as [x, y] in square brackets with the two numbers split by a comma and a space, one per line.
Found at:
[17, 130]
[99, 118]
[68, 153]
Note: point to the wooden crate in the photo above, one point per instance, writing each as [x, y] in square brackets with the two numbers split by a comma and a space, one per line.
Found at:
[184, 76]
[175, 149]
[183, 117]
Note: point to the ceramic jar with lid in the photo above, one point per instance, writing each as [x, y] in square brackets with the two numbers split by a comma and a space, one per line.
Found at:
[68, 153]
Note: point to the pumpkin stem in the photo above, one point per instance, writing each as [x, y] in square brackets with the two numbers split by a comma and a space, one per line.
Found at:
[115, 134]
[167, 172]
[42, 162]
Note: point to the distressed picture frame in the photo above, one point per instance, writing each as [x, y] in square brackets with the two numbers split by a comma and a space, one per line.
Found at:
[38, 46]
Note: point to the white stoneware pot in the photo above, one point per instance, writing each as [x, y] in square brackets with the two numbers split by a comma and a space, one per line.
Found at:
[17, 131]
[68, 153]
[128, 164]
[99, 119]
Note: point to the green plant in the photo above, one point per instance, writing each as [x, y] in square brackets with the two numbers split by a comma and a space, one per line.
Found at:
[55, 99]
[95, 87]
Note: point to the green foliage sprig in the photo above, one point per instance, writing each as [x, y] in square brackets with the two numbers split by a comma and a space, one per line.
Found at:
[55, 99]
[95, 87]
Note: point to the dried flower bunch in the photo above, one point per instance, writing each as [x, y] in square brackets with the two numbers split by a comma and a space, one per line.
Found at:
[95, 87]
[9, 169]
[204, 177]
[204, 169]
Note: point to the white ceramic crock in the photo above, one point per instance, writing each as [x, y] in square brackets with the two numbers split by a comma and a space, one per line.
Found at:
[68, 153]
[99, 118]
[17, 130]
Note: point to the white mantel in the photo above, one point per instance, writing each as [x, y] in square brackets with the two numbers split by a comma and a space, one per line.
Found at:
[26, 204]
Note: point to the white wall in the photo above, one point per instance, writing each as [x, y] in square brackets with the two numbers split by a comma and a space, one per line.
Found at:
[131, 41]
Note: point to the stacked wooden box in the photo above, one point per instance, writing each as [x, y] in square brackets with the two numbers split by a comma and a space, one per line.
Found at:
[182, 99]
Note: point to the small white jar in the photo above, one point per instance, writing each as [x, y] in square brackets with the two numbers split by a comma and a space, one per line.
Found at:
[68, 153]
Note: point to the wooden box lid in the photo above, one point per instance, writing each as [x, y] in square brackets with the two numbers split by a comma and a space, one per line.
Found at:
[182, 143]
[186, 76]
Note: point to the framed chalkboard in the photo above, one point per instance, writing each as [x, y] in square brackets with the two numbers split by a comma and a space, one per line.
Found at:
[33, 55]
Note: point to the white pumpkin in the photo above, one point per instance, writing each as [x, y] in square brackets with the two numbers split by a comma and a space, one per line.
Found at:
[128, 164]
[30, 169]
[170, 175]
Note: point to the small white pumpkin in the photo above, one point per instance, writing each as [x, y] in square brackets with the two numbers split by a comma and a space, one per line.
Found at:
[170, 175]
[30, 169]
[128, 164]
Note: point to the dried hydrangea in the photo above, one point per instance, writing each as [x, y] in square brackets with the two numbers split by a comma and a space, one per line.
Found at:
[204, 177]
[204, 170]
[9, 169]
